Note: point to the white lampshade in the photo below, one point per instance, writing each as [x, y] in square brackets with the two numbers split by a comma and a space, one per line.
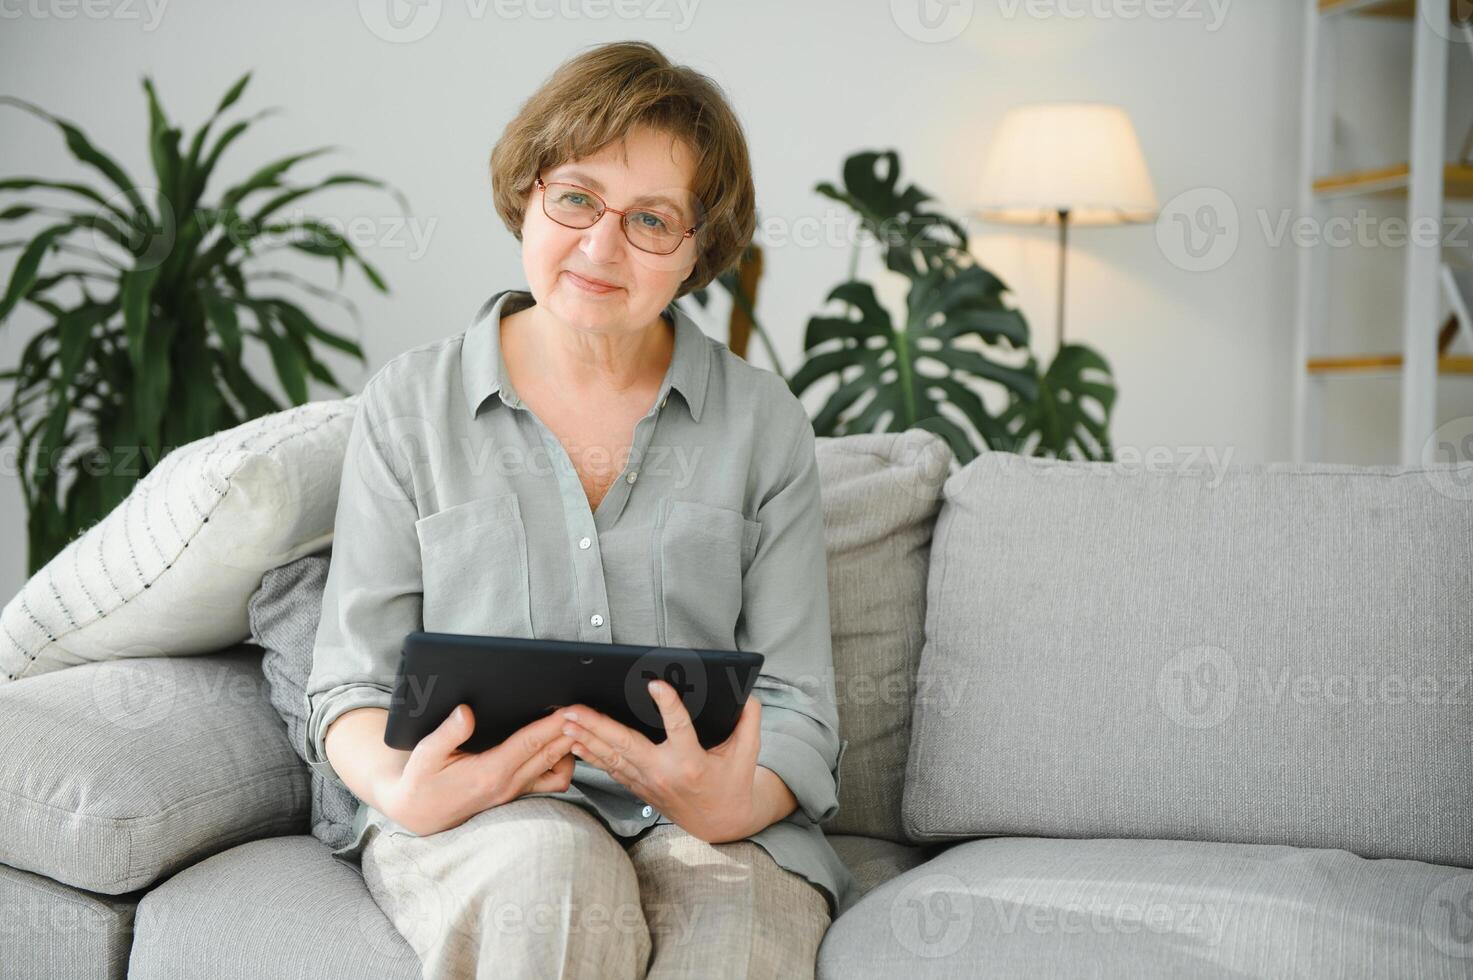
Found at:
[1079, 157]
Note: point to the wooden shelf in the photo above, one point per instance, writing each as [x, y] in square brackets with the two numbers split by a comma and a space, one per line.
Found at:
[1377, 8]
[1381, 363]
[1457, 181]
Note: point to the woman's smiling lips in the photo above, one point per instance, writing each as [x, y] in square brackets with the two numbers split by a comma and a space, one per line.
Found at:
[595, 286]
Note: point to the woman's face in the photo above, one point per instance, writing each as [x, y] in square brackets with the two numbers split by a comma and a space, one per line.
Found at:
[555, 258]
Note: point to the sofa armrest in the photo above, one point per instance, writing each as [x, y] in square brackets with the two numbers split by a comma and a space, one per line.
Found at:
[116, 774]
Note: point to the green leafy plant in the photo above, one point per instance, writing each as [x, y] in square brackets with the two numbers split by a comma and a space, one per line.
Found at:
[152, 301]
[956, 323]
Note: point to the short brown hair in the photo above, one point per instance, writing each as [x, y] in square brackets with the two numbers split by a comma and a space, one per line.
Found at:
[597, 98]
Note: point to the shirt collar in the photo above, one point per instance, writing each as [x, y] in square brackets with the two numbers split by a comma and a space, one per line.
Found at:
[483, 371]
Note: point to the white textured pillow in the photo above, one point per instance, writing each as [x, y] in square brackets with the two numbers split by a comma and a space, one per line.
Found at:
[171, 569]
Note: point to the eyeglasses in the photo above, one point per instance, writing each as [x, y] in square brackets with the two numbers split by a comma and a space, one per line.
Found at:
[573, 206]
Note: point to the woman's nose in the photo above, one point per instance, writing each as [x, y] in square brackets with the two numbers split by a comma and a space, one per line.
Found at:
[605, 240]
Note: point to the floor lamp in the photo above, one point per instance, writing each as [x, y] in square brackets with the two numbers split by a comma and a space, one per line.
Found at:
[1066, 163]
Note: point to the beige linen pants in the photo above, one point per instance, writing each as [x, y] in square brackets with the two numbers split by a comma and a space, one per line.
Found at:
[539, 887]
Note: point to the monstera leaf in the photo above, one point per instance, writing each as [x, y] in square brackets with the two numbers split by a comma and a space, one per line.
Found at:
[956, 323]
[945, 307]
[1070, 417]
[915, 241]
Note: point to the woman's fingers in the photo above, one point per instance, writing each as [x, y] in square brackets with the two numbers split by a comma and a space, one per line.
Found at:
[545, 760]
[679, 731]
[432, 750]
[612, 758]
[555, 780]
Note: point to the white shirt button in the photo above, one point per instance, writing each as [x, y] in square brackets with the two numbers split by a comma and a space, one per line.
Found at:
[584, 543]
[632, 475]
[596, 620]
[664, 400]
[647, 810]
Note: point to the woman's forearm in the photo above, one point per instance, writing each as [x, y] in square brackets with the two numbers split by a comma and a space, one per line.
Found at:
[772, 799]
[356, 749]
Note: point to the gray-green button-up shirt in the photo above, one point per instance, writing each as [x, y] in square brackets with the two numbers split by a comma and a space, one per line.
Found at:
[461, 512]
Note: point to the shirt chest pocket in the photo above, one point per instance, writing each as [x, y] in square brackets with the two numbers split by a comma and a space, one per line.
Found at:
[474, 566]
[701, 552]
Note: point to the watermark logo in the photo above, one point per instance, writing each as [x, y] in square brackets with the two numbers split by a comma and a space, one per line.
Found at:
[1198, 230]
[932, 21]
[1451, 443]
[682, 669]
[1447, 917]
[136, 691]
[1455, 27]
[932, 915]
[1198, 687]
[400, 21]
[1212, 13]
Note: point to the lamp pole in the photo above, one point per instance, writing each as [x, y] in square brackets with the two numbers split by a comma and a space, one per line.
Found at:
[1063, 250]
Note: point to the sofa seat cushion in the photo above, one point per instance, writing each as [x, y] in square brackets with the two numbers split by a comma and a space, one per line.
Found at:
[1271, 654]
[114, 775]
[53, 930]
[283, 908]
[1036, 908]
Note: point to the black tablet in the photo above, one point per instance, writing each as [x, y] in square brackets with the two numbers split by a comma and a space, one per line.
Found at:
[510, 682]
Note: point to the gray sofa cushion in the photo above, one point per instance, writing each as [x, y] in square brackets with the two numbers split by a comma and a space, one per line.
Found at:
[282, 908]
[48, 929]
[880, 495]
[1273, 654]
[116, 774]
[283, 615]
[1035, 908]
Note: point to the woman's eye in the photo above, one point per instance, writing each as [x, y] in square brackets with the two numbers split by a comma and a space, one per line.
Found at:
[652, 221]
[574, 198]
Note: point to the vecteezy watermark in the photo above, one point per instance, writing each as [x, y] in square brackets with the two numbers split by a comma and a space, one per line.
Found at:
[931, 916]
[1202, 686]
[1200, 230]
[1447, 916]
[1454, 28]
[1204, 922]
[407, 21]
[1448, 455]
[136, 691]
[1198, 687]
[150, 12]
[1208, 463]
[389, 454]
[932, 21]
[139, 688]
[1364, 230]
[1211, 13]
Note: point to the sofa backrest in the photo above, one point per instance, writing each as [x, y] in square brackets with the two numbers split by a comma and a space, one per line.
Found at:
[1274, 653]
[881, 493]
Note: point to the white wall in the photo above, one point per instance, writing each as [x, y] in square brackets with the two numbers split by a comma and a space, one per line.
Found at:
[1202, 359]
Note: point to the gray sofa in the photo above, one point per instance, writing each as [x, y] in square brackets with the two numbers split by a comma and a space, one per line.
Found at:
[1104, 720]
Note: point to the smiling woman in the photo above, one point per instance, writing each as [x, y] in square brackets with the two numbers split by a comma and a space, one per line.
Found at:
[530, 477]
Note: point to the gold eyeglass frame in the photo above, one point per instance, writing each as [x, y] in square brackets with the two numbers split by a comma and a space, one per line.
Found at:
[604, 208]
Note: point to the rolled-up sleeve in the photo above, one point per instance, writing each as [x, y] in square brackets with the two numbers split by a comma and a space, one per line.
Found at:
[785, 617]
[374, 591]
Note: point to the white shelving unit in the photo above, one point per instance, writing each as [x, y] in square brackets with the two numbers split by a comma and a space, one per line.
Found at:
[1426, 179]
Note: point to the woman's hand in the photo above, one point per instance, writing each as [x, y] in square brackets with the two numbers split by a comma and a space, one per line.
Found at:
[441, 787]
[712, 794]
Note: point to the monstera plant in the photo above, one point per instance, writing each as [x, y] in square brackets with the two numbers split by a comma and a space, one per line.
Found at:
[956, 335]
[153, 303]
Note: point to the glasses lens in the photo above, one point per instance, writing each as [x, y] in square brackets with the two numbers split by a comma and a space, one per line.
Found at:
[652, 231]
[570, 205]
